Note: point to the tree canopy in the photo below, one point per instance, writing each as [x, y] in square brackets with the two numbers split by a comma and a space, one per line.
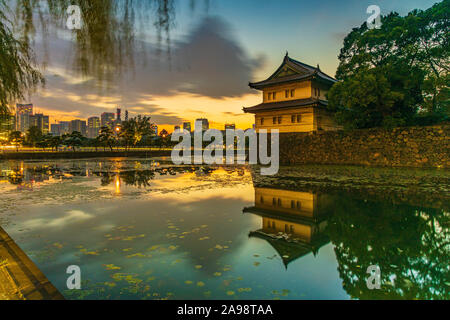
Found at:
[395, 75]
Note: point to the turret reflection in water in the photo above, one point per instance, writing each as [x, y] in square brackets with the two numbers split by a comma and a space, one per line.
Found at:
[293, 222]
[410, 244]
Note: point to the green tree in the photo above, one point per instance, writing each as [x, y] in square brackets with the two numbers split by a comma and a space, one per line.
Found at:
[34, 135]
[96, 142]
[74, 140]
[107, 137]
[45, 141]
[16, 139]
[135, 129]
[53, 142]
[397, 72]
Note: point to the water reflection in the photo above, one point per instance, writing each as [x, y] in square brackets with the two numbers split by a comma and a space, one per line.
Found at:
[139, 174]
[178, 232]
[409, 243]
[293, 222]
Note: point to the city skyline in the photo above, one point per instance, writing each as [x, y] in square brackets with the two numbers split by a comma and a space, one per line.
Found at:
[90, 127]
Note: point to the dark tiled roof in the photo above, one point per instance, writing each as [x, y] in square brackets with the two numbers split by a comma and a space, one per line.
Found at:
[304, 70]
[286, 104]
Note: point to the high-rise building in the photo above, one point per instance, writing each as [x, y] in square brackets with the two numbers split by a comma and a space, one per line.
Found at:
[156, 130]
[177, 128]
[7, 125]
[40, 121]
[119, 115]
[204, 124]
[93, 127]
[107, 119]
[55, 129]
[126, 115]
[64, 127]
[187, 126]
[79, 126]
[23, 113]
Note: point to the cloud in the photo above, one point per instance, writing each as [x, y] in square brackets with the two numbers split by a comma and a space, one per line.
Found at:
[67, 218]
[208, 62]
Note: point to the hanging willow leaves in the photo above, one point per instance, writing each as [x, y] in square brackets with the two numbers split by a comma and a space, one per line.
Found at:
[103, 48]
[18, 71]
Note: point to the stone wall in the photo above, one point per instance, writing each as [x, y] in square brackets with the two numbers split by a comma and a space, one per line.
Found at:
[399, 147]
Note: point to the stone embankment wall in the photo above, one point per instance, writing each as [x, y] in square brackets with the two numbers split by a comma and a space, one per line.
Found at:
[400, 147]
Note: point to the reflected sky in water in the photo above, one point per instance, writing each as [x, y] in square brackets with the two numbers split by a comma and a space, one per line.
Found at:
[142, 229]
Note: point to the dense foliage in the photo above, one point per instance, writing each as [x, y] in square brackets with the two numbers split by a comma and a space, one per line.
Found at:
[396, 75]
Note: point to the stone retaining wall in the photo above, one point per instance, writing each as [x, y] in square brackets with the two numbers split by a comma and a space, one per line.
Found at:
[399, 147]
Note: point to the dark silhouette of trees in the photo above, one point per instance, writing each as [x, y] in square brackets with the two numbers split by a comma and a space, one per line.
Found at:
[396, 75]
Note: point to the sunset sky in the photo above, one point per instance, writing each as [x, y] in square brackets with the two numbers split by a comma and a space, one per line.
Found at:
[216, 51]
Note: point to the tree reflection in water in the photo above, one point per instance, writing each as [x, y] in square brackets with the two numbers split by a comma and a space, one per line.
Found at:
[409, 244]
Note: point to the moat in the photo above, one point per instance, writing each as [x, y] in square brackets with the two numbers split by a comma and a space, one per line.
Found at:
[145, 229]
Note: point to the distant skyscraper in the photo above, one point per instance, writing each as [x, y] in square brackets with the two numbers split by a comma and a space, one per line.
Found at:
[187, 126]
[204, 124]
[119, 115]
[55, 129]
[23, 113]
[126, 115]
[156, 129]
[78, 125]
[40, 121]
[107, 119]
[93, 127]
[64, 127]
[7, 125]
[177, 128]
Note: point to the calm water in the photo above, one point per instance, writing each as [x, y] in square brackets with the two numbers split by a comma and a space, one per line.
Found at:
[140, 229]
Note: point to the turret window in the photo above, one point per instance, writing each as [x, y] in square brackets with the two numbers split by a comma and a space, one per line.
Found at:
[296, 118]
[292, 93]
[279, 120]
[317, 92]
[274, 120]
[286, 93]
